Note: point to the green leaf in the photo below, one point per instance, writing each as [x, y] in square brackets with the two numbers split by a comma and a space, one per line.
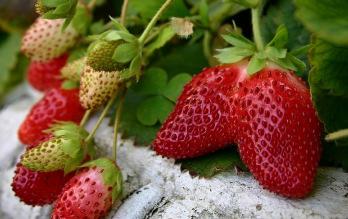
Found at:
[233, 54]
[327, 19]
[298, 63]
[124, 53]
[286, 63]
[176, 85]
[51, 3]
[212, 164]
[303, 50]
[256, 64]
[328, 81]
[154, 109]
[11, 67]
[153, 82]
[280, 39]
[128, 37]
[275, 53]
[186, 58]
[129, 124]
[118, 25]
[281, 13]
[163, 37]
[239, 40]
[112, 35]
[74, 162]
[81, 20]
[135, 66]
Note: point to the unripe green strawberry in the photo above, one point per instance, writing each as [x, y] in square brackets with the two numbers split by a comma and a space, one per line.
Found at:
[46, 39]
[48, 156]
[73, 70]
[100, 56]
[65, 150]
[97, 87]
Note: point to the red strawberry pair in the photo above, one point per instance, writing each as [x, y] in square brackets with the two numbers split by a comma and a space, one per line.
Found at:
[269, 115]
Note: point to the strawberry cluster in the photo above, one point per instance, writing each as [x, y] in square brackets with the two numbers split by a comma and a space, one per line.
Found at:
[58, 164]
[253, 100]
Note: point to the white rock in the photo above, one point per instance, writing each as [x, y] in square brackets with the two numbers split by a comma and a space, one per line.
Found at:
[171, 193]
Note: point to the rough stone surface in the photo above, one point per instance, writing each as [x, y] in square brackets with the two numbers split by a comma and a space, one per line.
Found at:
[156, 188]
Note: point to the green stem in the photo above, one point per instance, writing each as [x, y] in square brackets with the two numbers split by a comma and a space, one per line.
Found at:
[124, 12]
[153, 21]
[85, 118]
[117, 123]
[92, 4]
[101, 118]
[255, 16]
[337, 135]
[206, 47]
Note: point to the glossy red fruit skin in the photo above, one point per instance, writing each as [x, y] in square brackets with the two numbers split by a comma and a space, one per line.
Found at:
[279, 137]
[56, 105]
[84, 196]
[201, 122]
[37, 188]
[45, 75]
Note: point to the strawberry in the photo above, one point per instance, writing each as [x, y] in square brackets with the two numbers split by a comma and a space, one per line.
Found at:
[91, 192]
[279, 137]
[56, 105]
[45, 39]
[201, 122]
[43, 75]
[37, 188]
[73, 70]
[65, 150]
[100, 77]
[97, 87]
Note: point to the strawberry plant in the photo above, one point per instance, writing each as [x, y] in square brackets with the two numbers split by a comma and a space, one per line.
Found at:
[251, 84]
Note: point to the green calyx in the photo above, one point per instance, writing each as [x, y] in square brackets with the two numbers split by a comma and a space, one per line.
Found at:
[275, 51]
[40, 8]
[65, 150]
[112, 175]
[100, 56]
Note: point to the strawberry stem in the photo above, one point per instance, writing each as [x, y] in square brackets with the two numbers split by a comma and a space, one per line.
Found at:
[101, 118]
[337, 135]
[92, 4]
[153, 21]
[255, 17]
[117, 123]
[85, 118]
[124, 12]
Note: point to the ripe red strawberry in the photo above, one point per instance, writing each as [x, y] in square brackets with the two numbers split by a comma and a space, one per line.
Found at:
[201, 121]
[43, 75]
[46, 40]
[37, 188]
[56, 105]
[279, 137]
[91, 192]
